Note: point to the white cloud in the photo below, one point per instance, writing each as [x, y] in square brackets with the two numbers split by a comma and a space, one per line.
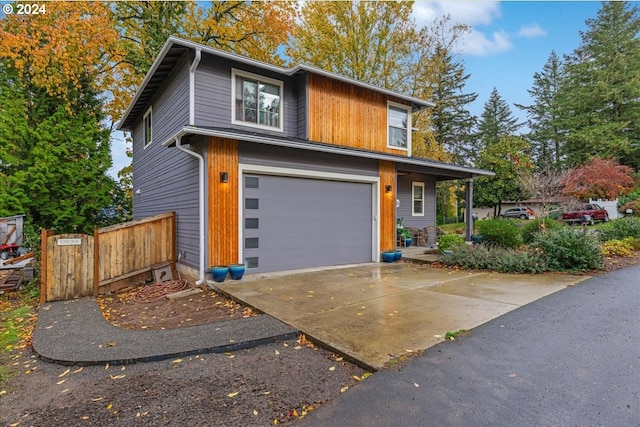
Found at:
[478, 44]
[532, 30]
[471, 13]
[465, 12]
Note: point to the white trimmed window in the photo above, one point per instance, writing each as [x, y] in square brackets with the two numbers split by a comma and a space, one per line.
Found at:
[417, 196]
[398, 126]
[257, 100]
[147, 121]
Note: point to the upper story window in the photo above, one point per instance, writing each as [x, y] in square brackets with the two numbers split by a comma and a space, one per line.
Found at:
[257, 100]
[147, 120]
[399, 126]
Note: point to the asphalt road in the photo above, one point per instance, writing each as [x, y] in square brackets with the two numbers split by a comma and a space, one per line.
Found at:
[570, 359]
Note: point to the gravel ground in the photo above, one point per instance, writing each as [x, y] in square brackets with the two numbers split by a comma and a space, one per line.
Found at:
[273, 384]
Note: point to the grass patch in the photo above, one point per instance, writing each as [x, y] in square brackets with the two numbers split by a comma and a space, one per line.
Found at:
[451, 336]
[18, 314]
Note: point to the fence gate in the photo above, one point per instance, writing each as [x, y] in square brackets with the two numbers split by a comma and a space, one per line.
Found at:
[67, 270]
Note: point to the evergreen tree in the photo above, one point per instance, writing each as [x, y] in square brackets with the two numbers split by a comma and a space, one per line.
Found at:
[600, 98]
[497, 121]
[55, 149]
[546, 137]
[451, 121]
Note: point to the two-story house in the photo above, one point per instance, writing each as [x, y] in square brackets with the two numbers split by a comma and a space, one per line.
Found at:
[277, 168]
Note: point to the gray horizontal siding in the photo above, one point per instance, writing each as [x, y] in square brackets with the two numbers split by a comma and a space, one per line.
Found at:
[171, 104]
[266, 155]
[213, 96]
[167, 178]
[405, 210]
[302, 106]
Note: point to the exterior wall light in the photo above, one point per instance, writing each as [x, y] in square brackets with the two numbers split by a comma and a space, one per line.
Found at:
[388, 189]
[224, 177]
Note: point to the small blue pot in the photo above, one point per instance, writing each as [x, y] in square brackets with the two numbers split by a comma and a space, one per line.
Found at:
[236, 271]
[408, 241]
[219, 272]
[388, 256]
[397, 255]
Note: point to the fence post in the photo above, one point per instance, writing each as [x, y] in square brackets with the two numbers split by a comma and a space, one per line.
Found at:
[44, 234]
[96, 255]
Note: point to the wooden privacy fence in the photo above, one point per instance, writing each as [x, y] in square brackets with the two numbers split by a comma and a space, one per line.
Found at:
[77, 265]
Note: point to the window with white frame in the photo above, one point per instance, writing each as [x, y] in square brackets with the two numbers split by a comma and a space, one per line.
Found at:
[147, 121]
[398, 126]
[417, 191]
[257, 100]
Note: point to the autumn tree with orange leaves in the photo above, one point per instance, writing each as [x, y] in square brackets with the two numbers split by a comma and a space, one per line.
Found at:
[598, 179]
[55, 69]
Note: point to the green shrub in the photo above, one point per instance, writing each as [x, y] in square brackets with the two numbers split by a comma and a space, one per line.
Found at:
[496, 259]
[535, 226]
[621, 248]
[499, 232]
[569, 249]
[629, 197]
[618, 229]
[448, 241]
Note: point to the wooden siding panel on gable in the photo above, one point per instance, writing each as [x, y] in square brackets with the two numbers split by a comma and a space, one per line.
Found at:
[222, 156]
[347, 115]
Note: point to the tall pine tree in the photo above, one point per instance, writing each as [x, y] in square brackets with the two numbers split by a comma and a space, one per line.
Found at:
[451, 120]
[600, 98]
[497, 120]
[546, 137]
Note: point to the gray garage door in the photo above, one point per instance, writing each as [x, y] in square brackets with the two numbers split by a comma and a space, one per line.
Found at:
[294, 223]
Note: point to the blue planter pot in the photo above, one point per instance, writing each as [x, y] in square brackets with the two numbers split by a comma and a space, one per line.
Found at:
[236, 271]
[219, 272]
[397, 255]
[388, 256]
[408, 240]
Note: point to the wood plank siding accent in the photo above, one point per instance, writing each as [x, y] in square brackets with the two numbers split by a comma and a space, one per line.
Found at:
[222, 156]
[387, 205]
[347, 115]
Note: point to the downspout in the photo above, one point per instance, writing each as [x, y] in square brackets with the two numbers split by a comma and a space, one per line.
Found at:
[201, 203]
[192, 115]
[192, 87]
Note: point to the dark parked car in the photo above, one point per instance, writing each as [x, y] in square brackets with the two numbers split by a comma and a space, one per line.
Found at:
[521, 212]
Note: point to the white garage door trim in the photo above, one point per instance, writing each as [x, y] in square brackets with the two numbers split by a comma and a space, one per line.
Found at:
[303, 173]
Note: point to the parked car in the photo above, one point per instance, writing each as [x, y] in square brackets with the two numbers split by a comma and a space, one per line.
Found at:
[521, 212]
[590, 213]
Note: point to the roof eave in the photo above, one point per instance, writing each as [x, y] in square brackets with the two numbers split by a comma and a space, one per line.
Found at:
[265, 139]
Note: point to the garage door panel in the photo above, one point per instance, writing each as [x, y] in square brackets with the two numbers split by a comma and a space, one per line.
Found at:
[309, 222]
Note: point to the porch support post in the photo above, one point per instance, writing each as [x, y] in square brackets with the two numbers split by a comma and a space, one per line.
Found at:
[468, 212]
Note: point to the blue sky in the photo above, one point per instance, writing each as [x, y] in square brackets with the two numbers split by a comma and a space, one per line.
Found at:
[508, 43]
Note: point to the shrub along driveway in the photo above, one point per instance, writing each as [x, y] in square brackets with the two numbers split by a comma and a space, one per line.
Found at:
[376, 312]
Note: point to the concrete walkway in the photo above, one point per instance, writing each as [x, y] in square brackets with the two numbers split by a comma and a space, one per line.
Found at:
[75, 333]
[373, 313]
[570, 359]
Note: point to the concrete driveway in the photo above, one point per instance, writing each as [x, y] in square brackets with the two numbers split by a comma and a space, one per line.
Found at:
[376, 312]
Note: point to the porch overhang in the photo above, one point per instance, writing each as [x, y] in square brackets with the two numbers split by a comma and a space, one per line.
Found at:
[441, 170]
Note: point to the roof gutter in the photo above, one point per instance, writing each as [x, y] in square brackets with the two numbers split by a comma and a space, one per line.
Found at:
[179, 146]
[327, 149]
